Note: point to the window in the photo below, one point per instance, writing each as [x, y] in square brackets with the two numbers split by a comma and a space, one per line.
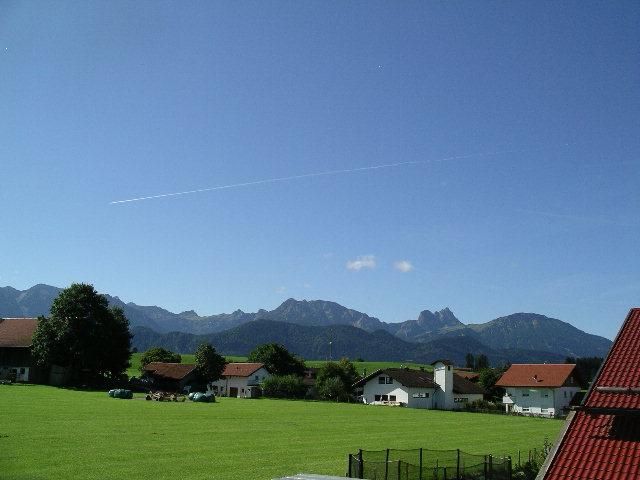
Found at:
[420, 395]
[392, 398]
[376, 398]
[381, 380]
[565, 394]
[21, 371]
[389, 380]
[385, 398]
[526, 409]
[525, 394]
[257, 378]
[460, 400]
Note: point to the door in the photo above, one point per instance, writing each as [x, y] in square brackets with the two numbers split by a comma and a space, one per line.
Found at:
[233, 391]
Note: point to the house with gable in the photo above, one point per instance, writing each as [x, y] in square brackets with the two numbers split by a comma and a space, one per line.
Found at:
[16, 362]
[539, 389]
[240, 380]
[172, 377]
[601, 439]
[443, 389]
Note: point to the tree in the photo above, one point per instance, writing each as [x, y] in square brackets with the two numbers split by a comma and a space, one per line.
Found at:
[482, 362]
[277, 360]
[159, 354]
[284, 386]
[335, 380]
[209, 363]
[83, 334]
[469, 361]
[488, 378]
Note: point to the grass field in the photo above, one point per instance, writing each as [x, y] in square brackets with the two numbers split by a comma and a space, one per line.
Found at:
[51, 433]
[362, 367]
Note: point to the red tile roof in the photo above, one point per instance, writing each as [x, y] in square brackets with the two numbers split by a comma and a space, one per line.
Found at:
[536, 375]
[602, 441]
[169, 371]
[241, 369]
[17, 332]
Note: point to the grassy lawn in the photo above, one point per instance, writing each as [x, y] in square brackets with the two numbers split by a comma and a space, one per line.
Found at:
[51, 433]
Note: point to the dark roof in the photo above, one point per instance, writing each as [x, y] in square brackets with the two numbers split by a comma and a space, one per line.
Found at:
[17, 332]
[169, 371]
[467, 373]
[602, 439]
[421, 379]
[463, 386]
[241, 369]
[536, 375]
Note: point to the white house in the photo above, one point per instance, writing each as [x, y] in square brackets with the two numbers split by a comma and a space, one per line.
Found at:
[443, 389]
[539, 389]
[240, 380]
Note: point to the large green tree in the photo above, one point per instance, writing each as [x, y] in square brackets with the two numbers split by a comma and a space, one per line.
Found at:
[277, 360]
[209, 363]
[83, 334]
[159, 354]
[335, 380]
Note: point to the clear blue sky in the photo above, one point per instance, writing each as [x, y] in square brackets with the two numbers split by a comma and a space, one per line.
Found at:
[105, 101]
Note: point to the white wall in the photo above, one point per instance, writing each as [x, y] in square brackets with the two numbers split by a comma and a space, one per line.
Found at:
[443, 376]
[540, 401]
[241, 383]
[412, 397]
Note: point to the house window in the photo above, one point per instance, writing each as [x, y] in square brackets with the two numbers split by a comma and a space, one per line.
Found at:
[526, 409]
[22, 371]
[565, 394]
[389, 380]
[257, 378]
[381, 380]
[385, 398]
[525, 394]
[420, 395]
[392, 398]
[460, 400]
[376, 398]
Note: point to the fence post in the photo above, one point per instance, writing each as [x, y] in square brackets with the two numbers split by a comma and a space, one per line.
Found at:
[444, 471]
[509, 470]
[386, 466]
[349, 467]
[399, 471]
[491, 467]
[458, 464]
[361, 472]
[420, 474]
[485, 468]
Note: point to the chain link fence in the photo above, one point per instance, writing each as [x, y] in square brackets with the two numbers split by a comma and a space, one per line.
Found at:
[424, 464]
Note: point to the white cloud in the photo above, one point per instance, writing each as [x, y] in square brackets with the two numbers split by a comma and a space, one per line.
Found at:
[365, 261]
[403, 266]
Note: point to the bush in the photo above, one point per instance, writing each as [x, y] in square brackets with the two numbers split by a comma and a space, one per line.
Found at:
[284, 386]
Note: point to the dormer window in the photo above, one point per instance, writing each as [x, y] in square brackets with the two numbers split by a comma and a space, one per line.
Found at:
[385, 380]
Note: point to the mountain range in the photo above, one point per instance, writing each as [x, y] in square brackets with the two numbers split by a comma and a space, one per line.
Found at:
[307, 327]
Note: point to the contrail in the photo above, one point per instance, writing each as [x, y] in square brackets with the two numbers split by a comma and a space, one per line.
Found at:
[307, 175]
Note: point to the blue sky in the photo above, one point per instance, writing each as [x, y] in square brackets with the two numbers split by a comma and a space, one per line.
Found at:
[522, 119]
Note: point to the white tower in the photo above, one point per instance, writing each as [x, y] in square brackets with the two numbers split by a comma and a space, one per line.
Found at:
[443, 377]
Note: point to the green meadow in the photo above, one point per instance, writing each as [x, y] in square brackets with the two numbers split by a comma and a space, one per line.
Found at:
[51, 433]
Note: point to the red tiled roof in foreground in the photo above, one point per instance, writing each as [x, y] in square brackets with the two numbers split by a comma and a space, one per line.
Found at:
[602, 440]
[169, 371]
[17, 332]
[536, 375]
[241, 369]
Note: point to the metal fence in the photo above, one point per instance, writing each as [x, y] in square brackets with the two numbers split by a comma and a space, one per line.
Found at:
[424, 464]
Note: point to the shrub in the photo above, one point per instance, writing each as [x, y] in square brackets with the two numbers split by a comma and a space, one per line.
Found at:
[284, 386]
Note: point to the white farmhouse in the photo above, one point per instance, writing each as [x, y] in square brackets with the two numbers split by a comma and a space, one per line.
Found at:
[539, 389]
[240, 380]
[442, 390]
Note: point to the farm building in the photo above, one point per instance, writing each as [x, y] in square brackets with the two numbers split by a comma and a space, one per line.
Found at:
[240, 380]
[443, 389]
[172, 377]
[601, 440]
[16, 362]
[539, 389]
